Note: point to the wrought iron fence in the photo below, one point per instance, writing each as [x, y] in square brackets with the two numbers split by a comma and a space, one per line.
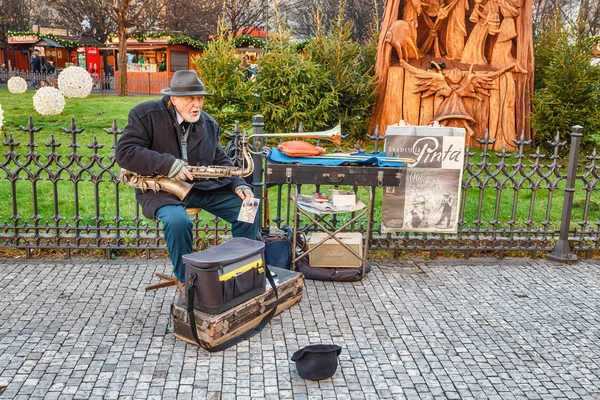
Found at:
[144, 84]
[67, 196]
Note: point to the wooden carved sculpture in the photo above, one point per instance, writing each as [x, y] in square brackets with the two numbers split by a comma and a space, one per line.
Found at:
[487, 22]
[399, 36]
[440, 14]
[487, 46]
[453, 86]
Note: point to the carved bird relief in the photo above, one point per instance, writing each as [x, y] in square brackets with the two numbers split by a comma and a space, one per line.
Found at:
[453, 86]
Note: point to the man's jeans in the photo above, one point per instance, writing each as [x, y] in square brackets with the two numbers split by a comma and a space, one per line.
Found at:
[177, 225]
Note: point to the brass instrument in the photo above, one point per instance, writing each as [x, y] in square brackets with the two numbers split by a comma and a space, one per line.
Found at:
[182, 188]
[334, 135]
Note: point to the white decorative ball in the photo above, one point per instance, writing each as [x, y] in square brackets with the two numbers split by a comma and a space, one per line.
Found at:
[48, 101]
[75, 82]
[16, 84]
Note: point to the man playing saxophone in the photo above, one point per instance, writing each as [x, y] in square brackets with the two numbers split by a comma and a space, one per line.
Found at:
[161, 138]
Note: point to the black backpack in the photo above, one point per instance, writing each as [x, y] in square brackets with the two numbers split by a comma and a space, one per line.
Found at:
[48, 67]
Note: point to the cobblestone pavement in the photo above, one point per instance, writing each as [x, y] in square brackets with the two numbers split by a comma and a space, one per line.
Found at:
[449, 329]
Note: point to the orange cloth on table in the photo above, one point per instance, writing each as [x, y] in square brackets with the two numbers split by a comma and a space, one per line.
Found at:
[298, 148]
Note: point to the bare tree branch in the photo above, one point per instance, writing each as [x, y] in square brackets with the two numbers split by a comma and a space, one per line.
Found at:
[196, 19]
[362, 13]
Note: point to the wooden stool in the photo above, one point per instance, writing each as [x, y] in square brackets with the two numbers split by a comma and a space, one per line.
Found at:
[166, 280]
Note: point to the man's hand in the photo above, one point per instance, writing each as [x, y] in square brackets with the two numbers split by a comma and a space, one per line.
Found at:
[245, 192]
[180, 172]
[184, 174]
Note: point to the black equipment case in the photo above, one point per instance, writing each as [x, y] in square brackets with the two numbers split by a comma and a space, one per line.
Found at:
[225, 275]
[353, 175]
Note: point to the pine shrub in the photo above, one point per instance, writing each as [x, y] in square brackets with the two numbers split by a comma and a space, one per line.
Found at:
[567, 87]
[233, 98]
[351, 74]
[293, 89]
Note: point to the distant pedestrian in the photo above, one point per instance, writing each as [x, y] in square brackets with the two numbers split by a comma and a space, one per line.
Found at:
[245, 67]
[36, 61]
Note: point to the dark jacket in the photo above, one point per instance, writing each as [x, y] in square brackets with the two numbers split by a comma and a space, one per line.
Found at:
[150, 144]
[37, 63]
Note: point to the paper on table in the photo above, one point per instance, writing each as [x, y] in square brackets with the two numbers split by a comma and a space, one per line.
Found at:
[309, 204]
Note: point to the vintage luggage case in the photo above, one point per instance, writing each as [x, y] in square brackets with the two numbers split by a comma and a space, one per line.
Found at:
[353, 175]
[226, 275]
[215, 330]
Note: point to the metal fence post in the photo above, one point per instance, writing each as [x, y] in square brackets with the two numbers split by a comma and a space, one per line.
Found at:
[562, 249]
[258, 124]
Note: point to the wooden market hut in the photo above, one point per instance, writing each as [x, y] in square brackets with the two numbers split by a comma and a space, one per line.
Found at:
[466, 63]
[57, 46]
[151, 61]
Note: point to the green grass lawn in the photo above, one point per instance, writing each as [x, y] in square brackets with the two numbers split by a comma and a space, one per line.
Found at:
[96, 112]
[93, 113]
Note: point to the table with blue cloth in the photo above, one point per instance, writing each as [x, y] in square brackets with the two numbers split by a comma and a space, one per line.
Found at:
[371, 172]
[277, 156]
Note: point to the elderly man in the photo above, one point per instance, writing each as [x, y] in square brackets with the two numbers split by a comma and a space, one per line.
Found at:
[164, 136]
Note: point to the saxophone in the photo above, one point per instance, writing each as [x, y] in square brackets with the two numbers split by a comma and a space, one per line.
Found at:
[182, 188]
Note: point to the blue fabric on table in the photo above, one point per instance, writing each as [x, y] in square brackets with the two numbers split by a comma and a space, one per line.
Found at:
[277, 156]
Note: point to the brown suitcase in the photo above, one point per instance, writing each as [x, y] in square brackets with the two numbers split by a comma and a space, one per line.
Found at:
[216, 329]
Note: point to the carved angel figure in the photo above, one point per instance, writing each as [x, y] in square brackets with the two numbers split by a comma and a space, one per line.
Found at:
[453, 85]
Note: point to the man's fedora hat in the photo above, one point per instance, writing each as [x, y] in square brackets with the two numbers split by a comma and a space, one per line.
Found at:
[185, 83]
[317, 362]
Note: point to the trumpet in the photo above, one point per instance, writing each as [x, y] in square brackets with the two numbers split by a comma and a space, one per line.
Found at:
[334, 135]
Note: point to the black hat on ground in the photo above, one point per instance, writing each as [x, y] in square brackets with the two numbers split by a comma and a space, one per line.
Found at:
[317, 362]
[185, 83]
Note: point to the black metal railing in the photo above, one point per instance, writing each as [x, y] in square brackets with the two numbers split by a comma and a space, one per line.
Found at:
[66, 196]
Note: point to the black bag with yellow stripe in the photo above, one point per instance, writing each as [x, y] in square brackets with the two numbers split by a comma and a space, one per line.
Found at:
[226, 275]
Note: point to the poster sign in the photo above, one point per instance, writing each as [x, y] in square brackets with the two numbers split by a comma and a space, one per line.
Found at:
[92, 56]
[23, 39]
[427, 198]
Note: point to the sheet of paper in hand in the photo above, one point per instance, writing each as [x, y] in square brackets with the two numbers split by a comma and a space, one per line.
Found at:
[248, 211]
[427, 198]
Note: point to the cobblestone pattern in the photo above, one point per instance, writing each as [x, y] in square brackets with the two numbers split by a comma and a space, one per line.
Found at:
[468, 329]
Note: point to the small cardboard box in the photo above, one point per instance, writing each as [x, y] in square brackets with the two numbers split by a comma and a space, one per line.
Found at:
[343, 198]
[332, 254]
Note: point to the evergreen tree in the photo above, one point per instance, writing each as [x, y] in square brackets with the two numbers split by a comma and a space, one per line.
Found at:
[232, 97]
[351, 75]
[568, 86]
[293, 89]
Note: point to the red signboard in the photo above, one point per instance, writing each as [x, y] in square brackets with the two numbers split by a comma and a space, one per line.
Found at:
[92, 59]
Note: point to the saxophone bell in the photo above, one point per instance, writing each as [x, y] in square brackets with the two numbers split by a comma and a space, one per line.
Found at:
[155, 183]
